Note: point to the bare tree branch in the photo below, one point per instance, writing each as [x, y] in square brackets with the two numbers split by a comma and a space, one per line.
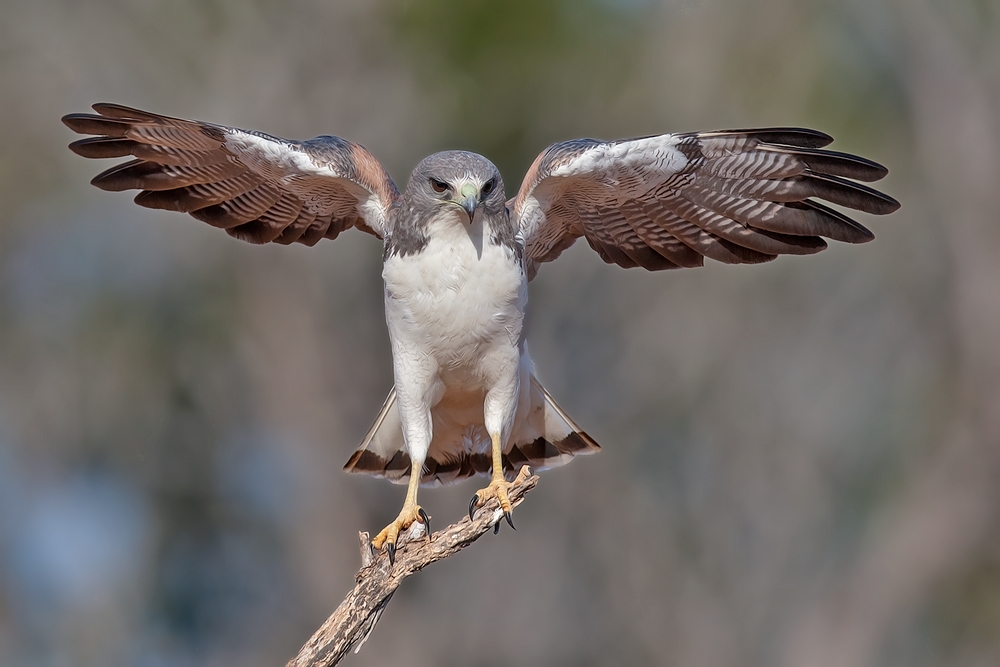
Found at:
[353, 621]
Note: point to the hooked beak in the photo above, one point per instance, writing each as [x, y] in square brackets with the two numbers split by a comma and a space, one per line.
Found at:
[469, 199]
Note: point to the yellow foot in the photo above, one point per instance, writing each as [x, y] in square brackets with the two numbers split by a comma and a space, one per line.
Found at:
[409, 515]
[498, 488]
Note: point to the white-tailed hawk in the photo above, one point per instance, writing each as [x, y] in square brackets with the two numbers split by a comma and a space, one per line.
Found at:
[458, 255]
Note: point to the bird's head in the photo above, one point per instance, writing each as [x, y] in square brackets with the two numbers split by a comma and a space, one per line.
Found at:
[458, 178]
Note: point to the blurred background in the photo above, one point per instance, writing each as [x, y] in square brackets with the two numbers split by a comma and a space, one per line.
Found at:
[801, 462]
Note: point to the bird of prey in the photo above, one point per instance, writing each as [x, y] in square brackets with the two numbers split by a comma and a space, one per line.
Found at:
[458, 255]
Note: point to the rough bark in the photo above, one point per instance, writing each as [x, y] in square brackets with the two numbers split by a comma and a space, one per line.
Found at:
[353, 621]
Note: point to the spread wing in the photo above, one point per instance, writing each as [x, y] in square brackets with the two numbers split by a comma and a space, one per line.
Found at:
[257, 187]
[669, 201]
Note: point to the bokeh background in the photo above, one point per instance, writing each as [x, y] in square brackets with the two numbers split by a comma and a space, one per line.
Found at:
[801, 462]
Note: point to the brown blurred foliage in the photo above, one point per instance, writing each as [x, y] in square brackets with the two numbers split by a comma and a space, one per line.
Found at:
[800, 462]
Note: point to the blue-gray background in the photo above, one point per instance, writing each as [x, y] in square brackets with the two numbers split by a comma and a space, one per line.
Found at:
[800, 462]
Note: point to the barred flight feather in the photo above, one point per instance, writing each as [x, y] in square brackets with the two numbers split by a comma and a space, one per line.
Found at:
[736, 196]
[232, 178]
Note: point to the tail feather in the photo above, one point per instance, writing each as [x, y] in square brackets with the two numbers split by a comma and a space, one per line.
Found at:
[547, 437]
[382, 453]
[543, 437]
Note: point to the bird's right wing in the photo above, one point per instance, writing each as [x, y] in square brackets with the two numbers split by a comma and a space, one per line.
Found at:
[669, 201]
[257, 187]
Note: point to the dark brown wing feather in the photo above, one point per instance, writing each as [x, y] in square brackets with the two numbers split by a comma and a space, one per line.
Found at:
[668, 201]
[257, 187]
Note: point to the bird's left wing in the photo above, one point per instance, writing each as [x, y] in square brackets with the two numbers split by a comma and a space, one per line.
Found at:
[669, 201]
[257, 187]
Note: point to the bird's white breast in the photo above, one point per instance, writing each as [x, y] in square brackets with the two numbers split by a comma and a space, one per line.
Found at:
[458, 302]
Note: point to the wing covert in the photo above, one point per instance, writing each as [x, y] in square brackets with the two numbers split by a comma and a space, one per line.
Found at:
[257, 187]
[669, 201]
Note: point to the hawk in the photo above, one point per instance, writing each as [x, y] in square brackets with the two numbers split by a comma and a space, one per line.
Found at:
[458, 255]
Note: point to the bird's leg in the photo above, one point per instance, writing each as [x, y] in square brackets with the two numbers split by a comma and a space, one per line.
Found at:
[411, 512]
[499, 486]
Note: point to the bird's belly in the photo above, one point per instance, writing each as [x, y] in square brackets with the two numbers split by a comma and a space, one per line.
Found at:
[458, 307]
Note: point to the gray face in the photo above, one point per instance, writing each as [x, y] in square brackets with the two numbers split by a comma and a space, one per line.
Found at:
[457, 178]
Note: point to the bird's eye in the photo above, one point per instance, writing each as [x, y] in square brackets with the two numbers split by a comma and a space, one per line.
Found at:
[488, 188]
[439, 186]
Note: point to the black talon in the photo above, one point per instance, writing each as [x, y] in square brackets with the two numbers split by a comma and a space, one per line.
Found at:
[426, 520]
[391, 548]
[510, 521]
[496, 528]
[472, 507]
